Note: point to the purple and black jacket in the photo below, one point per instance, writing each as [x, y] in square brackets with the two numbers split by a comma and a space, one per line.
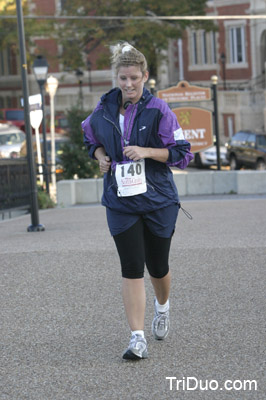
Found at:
[149, 123]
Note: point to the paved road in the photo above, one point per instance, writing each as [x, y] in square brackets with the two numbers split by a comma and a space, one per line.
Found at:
[63, 328]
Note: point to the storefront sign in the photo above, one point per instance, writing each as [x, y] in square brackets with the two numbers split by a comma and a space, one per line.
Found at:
[197, 127]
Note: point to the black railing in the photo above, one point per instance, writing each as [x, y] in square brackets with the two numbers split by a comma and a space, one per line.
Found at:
[14, 184]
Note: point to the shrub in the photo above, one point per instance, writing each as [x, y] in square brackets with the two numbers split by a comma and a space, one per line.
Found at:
[75, 160]
[44, 200]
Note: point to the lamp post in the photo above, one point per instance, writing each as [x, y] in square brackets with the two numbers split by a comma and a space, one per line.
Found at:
[223, 60]
[214, 80]
[35, 225]
[40, 69]
[152, 83]
[79, 75]
[51, 88]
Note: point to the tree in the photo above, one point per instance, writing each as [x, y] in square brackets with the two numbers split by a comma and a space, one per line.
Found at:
[80, 37]
[8, 27]
[74, 158]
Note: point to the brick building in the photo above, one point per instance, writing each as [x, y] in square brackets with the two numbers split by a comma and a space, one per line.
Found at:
[236, 53]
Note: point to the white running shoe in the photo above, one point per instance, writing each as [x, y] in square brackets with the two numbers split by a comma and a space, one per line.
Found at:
[137, 348]
[160, 324]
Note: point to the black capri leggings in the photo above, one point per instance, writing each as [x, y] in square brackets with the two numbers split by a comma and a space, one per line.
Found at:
[137, 246]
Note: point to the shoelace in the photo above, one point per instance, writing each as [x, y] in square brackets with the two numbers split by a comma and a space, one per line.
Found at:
[161, 320]
[137, 338]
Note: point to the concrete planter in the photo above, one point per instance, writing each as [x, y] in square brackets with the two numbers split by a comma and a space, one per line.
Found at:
[89, 191]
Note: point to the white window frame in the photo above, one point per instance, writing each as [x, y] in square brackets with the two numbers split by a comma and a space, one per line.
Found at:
[234, 44]
[228, 25]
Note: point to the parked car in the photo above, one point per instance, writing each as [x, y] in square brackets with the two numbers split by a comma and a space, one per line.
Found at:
[208, 157]
[11, 141]
[247, 149]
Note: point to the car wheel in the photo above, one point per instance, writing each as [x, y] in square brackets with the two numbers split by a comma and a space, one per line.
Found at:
[260, 165]
[233, 163]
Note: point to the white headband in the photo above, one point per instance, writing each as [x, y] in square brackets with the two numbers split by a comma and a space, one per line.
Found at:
[126, 48]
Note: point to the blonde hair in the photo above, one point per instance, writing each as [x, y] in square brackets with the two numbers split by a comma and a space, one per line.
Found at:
[125, 55]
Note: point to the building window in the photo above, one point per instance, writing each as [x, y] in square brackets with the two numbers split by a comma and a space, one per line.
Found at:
[213, 48]
[2, 65]
[204, 48]
[194, 49]
[237, 45]
[11, 61]
[229, 125]
[63, 5]
[9, 102]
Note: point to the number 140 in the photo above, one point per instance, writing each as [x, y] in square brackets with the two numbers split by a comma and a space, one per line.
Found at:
[131, 170]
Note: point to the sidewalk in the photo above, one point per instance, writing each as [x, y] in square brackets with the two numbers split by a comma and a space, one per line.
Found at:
[63, 328]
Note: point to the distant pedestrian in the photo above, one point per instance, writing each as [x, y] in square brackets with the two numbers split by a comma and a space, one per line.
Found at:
[136, 137]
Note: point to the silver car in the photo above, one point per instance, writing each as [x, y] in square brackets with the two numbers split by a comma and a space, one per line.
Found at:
[208, 157]
[11, 139]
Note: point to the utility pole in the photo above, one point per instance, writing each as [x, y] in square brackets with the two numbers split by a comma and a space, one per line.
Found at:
[35, 225]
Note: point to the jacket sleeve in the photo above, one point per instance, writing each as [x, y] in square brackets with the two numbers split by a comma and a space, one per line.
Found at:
[89, 138]
[172, 137]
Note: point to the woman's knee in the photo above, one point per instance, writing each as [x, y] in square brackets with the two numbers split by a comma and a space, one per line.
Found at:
[158, 271]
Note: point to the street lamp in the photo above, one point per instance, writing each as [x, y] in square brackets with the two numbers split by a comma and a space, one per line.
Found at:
[214, 80]
[79, 75]
[223, 60]
[152, 83]
[51, 88]
[40, 69]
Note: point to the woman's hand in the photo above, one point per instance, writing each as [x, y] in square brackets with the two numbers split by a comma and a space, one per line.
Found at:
[104, 160]
[136, 153]
[104, 164]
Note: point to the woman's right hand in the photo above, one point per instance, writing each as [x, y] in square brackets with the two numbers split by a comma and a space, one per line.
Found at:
[105, 164]
[103, 159]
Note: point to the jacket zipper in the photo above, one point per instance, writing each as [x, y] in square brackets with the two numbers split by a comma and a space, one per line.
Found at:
[130, 118]
[109, 120]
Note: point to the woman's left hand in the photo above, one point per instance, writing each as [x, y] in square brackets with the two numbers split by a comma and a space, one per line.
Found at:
[136, 153]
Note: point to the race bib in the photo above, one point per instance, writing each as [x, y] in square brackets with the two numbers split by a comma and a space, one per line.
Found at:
[131, 178]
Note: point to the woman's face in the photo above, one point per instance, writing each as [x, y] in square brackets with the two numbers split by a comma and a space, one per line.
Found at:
[131, 81]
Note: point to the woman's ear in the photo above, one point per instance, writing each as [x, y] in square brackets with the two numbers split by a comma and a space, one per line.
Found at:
[146, 76]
